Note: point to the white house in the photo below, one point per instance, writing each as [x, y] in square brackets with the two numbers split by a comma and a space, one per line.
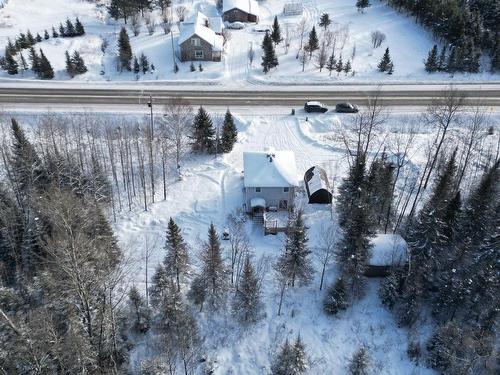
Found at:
[270, 180]
[201, 38]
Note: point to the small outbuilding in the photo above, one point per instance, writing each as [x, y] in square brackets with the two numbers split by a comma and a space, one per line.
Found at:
[317, 186]
[240, 10]
[387, 251]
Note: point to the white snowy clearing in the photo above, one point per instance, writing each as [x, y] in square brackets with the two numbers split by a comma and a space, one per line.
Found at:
[408, 43]
[211, 189]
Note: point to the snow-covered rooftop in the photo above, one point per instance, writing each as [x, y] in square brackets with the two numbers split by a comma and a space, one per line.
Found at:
[316, 179]
[248, 6]
[197, 25]
[270, 168]
[387, 250]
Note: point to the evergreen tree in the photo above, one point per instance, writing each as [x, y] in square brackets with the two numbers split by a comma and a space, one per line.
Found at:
[300, 363]
[442, 59]
[351, 190]
[313, 42]
[246, 304]
[269, 58]
[325, 21]
[78, 63]
[362, 5]
[192, 67]
[144, 63]
[331, 64]
[79, 29]
[55, 34]
[46, 70]
[11, 64]
[229, 133]
[70, 68]
[62, 30]
[176, 259]
[380, 181]
[137, 67]
[452, 64]
[139, 311]
[159, 284]
[336, 298]
[291, 359]
[347, 67]
[11, 48]
[35, 61]
[30, 39]
[70, 28]
[22, 42]
[360, 362]
[431, 64]
[294, 263]
[213, 276]
[124, 50]
[46, 35]
[24, 64]
[276, 32]
[38, 38]
[203, 133]
[340, 66]
[386, 61]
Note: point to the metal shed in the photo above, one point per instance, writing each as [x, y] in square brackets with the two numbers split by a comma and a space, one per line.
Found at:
[317, 186]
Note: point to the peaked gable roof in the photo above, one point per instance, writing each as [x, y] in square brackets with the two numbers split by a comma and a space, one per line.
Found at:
[248, 6]
[270, 169]
[196, 25]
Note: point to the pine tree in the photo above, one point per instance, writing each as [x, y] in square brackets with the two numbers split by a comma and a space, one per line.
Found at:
[284, 361]
[347, 67]
[351, 190]
[276, 32]
[229, 133]
[70, 68]
[55, 34]
[300, 363]
[38, 38]
[46, 70]
[336, 298]
[294, 263]
[70, 28]
[213, 274]
[124, 50]
[384, 64]
[62, 30]
[379, 185]
[11, 64]
[362, 4]
[269, 58]
[360, 362]
[139, 311]
[78, 63]
[30, 39]
[137, 67]
[431, 64]
[441, 65]
[10, 48]
[203, 133]
[143, 60]
[331, 64]
[313, 42]
[46, 35]
[159, 284]
[35, 61]
[325, 21]
[452, 64]
[24, 64]
[340, 66]
[246, 304]
[176, 259]
[79, 29]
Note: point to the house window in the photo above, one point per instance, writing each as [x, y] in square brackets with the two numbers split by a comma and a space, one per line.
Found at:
[286, 189]
[195, 42]
[257, 189]
[198, 54]
[283, 204]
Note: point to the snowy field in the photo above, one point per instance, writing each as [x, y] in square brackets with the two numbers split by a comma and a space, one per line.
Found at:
[212, 188]
[408, 42]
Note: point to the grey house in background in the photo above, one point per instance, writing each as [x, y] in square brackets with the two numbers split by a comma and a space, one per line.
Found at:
[270, 180]
[240, 10]
[201, 39]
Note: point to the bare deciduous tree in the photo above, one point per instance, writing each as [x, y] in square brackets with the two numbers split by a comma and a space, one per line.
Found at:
[328, 236]
[135, 24]
[378, 37]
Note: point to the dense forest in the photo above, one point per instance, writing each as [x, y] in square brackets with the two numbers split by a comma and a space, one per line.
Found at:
[466, 28]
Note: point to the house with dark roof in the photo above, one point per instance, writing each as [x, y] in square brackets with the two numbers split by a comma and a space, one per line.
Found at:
[240, 10]
[201, 38]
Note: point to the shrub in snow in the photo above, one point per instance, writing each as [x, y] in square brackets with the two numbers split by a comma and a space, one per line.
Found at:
[378, 38]
[291, 360]
[360, 362]
[336, 298]
[191, 67]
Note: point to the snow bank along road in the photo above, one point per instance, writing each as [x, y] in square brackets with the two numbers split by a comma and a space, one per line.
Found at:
[394, 95]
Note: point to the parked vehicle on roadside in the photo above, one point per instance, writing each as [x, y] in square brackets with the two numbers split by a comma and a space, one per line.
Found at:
[346, 108]
[314, 106]
[262, 28]
[236, 25]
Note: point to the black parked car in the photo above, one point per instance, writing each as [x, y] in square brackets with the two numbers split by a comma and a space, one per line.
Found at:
[346, 108]
[315, 107]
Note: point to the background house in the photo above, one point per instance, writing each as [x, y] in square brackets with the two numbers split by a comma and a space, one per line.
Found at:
[388, 250]
[240, 10]
[200, 38]
[270, 180]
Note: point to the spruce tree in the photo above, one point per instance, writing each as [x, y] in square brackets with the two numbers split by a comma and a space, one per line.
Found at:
[294, 263]
[30, 39]
[55, 34]
[283, 362]
[431, 64]
[331, 64]
[276, 32]
[143, 61]
[35, 61]
[335, 298]
[46, 70]
[78, 63]
[229, 133]
[269, 58]
[79, 29]
[137, 67]
[139, 311]
[385, 62]
[10, 48]
[62, 30]
[313, 42]
[246, 303]
[340, 66]
[70, 28]
[362, 5]
[24, 64]
[325, 21]
[176, 259]
[70, 68]
[159, 284]
[300, 364]
[38, 38]
[347, 67]
[11, 64]
[46, 35]
[441, 65]
[124, 50]
[203, 133]
[360, 362]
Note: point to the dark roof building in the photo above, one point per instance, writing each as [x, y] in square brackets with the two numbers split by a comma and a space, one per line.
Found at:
[317, 186]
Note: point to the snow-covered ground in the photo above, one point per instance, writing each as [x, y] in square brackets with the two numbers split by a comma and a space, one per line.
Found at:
[212, 188]
[408, 42]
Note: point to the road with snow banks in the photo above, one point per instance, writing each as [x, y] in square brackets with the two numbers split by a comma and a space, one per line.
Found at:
[87, 95]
